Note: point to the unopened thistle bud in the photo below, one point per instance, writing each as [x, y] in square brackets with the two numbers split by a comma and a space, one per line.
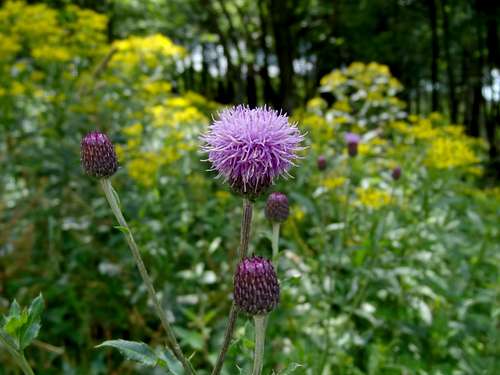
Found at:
[98, 155]
[396, 173]
[321, 163]
[256, 287]
[277, 208]
[352, 141]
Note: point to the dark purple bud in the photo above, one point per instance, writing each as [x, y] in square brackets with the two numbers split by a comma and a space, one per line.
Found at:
[352, 141]
[396, 173]
[98, 155]
[321, 163]
[277, 209]
[256, 287]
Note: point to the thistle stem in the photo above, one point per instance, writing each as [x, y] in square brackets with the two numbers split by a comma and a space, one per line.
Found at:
[275, 241]
[16, 354]
[246, 226]
[260, 336]
[25, 365]
[112, 198]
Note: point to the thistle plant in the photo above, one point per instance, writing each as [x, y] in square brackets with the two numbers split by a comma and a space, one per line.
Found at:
[19, 328]
[352, 141]
[98, 159]
[250, 148]
[321, 162]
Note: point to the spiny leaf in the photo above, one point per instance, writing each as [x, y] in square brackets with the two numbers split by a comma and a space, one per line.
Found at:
[135, 351]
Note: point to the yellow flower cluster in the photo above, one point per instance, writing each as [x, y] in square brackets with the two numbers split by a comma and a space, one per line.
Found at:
[48, 36]
[150, 50]
[169, 132]
[9, 47]
[372, 197]
[445, 153]
[333, 182]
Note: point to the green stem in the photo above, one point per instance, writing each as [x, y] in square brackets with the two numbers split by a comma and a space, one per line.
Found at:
[260, 337]
[25, 365]
[275, 241]
[112, 198]
[246, 226]
[18, 356]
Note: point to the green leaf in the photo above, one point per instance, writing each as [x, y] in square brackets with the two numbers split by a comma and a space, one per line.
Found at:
[36, 308]
[290, 369]
[124, 230]
[15, 309]
[135, 351]
[15, 323]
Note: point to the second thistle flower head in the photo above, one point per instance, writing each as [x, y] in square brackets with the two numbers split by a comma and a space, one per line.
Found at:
[98, 155]
[352, 141]
[277, 208]
[251, 147]
[256, 287]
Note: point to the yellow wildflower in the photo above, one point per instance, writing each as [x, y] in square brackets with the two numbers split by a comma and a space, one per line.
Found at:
[134, 130]
[445, 153]
[332, 182]
[9, 47]
[373, 197]
[51, 53]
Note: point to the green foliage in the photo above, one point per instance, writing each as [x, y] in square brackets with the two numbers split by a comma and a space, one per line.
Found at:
[23, 325]
[138, 352]
[377, 276]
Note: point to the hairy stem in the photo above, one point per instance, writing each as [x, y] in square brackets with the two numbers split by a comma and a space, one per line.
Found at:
[16, 354]
[112, 198]
[246, 226]
[260, 336]
[275, 241]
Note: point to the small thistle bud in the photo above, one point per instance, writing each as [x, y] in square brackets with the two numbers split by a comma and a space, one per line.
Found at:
[277, 209]
[321, 163]
[352, 141]
[98, 155]
[256, 288]
[396, 173]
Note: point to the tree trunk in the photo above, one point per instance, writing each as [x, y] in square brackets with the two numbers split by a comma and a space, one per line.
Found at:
[452, 97]
[435, 54]
[251, 87]
[282, 21]
[267, 88]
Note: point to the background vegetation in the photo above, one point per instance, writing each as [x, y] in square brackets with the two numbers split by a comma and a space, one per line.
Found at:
[406, 283]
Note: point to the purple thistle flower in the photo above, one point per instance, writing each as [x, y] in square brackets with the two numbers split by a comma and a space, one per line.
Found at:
[98, 155]
[321, 163]
[251, 147]
[277, 208]
[256, 287]
[396, 173]
[352, 141]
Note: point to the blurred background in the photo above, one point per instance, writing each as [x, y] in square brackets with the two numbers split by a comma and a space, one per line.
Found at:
[406, 283]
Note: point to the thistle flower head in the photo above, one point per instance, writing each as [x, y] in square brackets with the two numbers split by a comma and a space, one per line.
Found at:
[396, 173]
[98, 155]
[277, 209]
[249, 148]
[256, 288]
[352, 141]
[321, 163]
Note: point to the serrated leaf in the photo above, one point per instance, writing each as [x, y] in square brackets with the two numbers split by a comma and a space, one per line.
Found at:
[36, 308]
[291, 369]
[135, 351]
[29, 334]
[15, 309]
